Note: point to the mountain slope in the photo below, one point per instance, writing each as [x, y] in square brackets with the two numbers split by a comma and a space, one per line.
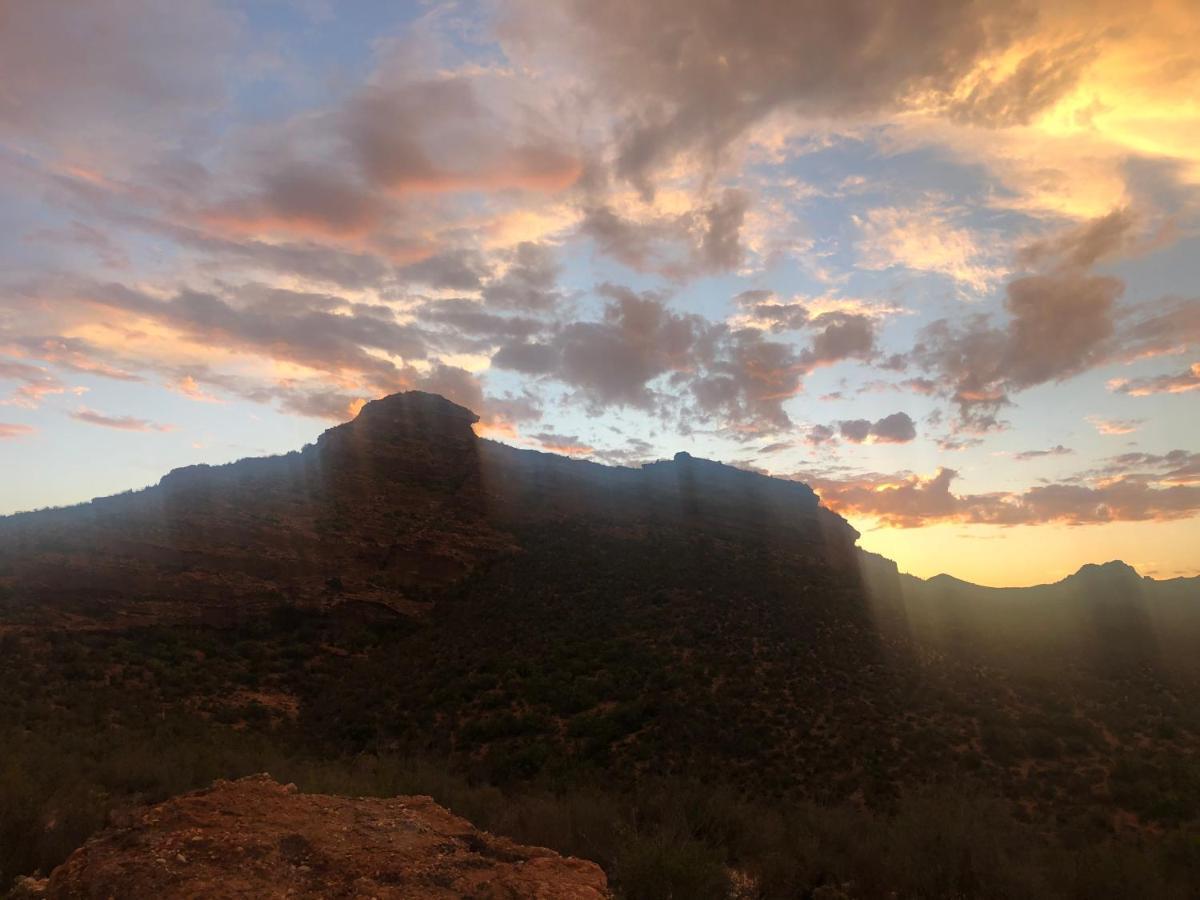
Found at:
[400, 502]
[402, 588]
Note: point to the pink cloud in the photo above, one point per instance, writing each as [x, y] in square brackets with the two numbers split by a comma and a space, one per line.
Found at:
[122, 423]
[11, 430]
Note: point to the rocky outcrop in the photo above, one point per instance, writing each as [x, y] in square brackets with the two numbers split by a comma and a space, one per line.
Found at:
[257, 838]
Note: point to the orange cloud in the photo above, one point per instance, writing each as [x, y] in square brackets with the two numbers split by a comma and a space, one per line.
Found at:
[1114, 426]
[190, 388]
[910, 501]
[1179, 383]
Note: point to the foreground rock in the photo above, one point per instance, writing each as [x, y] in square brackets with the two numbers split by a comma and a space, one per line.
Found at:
[257, 838]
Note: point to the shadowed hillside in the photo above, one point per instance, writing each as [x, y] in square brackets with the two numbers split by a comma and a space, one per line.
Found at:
[585, 644]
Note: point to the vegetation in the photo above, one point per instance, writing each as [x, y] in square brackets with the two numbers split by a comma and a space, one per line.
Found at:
[687, 685]
[574, 747]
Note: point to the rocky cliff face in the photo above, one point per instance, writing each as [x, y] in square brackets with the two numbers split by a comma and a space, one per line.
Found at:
[257, 838]
[389, 509]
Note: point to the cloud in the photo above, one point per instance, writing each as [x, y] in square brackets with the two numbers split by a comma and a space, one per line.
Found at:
[121, 423]
[1104, 238]
[1061, 322]
[190, 388]
[910, 501]
[10, 431]
[1115, 426]
[1166, 326]
[529, 283]
[306, 199]
[434, 135]
[819, 434]
[387, 156]
[923, 239]
[1038, 81]
[34, 383]
[704, 239]
[1178, 383]
[73, 353]
[565, 444]
[733, 376]
[460, 270]
[898, 428]
[1174, 467]
[111, 76]
[321, 331]
[688, 76]
[1056, 450]
[855, 430]
[841, 336]
[470, 318]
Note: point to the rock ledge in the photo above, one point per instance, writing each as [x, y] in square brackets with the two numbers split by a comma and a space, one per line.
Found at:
[257, 838]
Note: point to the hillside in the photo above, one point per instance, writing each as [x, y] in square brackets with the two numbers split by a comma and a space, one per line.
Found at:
[584, 645]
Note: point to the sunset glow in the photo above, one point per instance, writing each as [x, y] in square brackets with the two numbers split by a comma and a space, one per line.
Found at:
[941, 261]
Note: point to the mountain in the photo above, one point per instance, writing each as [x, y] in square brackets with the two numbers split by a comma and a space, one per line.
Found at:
[1107, 613]
[404, 590]
[390, 508]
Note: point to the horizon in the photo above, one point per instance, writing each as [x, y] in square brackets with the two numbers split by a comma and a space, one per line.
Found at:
[942, 266]
[642, 464]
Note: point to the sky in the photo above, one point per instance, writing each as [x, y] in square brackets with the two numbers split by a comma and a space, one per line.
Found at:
[938, 258]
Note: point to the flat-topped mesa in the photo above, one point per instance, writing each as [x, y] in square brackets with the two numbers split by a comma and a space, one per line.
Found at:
[415, 413]
[413, 435]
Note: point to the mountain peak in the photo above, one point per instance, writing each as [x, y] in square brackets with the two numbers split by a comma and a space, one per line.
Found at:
[416, 403]
[1114, 568]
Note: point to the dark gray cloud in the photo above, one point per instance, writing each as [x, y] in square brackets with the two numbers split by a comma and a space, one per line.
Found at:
[471, 318]
[309, 196]
[734, 376]
[898, 428]
[459, 270]
[855, 430]
[704, 240]
[841, 336]
[527, 358]
[1061, 322]
[1056, 450]
[529, 283]
[1175, 466]
[1082, 246]
[720, 246]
